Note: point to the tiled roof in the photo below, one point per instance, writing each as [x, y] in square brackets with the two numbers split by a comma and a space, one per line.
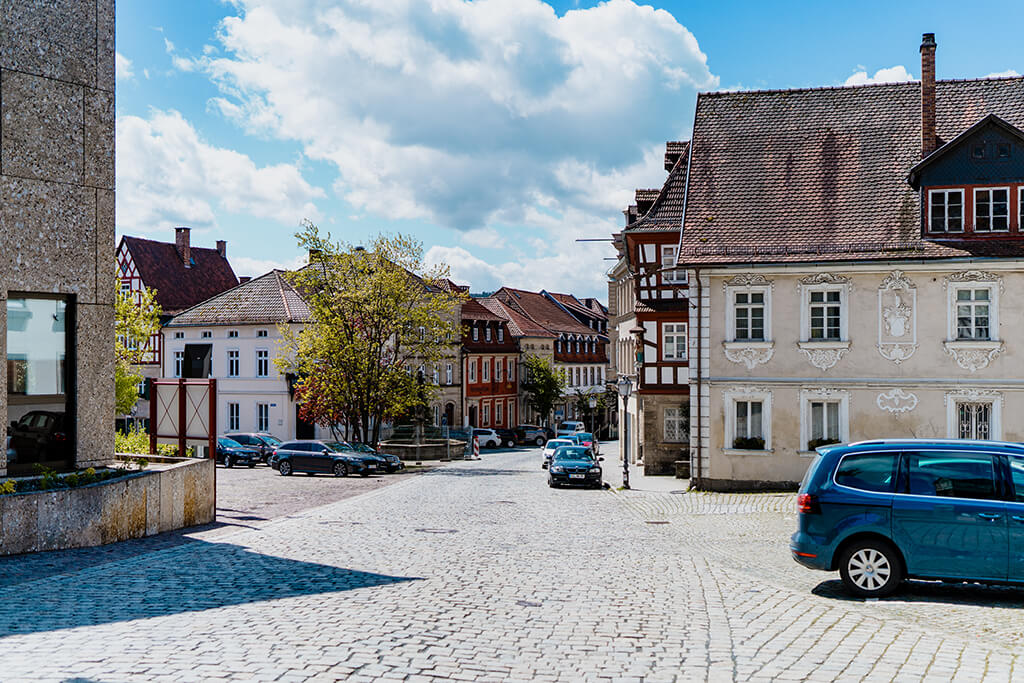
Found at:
[542, 311]
[666, 213]
[178, 287]
[821, 174]
[519, 325]
[474, 310]
[266, 300]
[453, 287]
[591, 308]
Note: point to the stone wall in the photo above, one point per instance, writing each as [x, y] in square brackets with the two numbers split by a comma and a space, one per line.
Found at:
[57, 188]
[660, 455]
[141, 504]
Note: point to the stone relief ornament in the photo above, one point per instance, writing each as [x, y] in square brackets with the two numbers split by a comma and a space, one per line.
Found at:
[750, 354]
[748, 280]
[973, 356]
[971, 396]
[974, 276]
[823, 355]
[897, 317]
[897, 401]
[824, 279]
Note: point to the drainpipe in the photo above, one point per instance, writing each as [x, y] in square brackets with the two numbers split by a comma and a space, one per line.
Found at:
[697, 483]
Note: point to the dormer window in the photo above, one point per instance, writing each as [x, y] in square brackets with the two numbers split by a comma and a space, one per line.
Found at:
[1003, 150]
[476, 333]
[992, 210]
[978, 151]
[947, 210]
[487, 333]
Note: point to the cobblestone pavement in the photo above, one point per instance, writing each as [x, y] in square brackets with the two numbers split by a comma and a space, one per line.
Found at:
[478, 571]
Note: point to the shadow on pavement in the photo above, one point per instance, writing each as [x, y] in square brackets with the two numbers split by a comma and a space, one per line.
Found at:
[196, 576]
[472, 472]
[936, 592]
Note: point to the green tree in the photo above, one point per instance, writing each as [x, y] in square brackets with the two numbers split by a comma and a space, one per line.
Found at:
[542, 385]
[378, 316]
[135, 322]
[592, 417]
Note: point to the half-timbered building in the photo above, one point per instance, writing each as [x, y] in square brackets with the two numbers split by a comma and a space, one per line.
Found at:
[490, 368]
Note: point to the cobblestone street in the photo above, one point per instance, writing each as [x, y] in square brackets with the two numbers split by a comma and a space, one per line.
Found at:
[479, 571]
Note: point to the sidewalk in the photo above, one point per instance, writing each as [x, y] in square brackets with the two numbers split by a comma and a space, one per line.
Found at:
[638, 481]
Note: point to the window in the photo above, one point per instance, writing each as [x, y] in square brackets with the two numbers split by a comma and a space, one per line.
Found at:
[824, 423]
[262, 417]
[511, 370]
[232, 334]
[126, 287]
[748, 314]
[487, 333]
[947, 210]
[179, 363]
[978, 151]
[448, 374]
[262, 363]
[261, 333]
[487, 370]
[676, 425]
[497, 413]
[1017, 475]
[233, 363]
[499, 365]
[577, 346]
[673, 341]
[974, 421]
[206, 334]
[992, 210]
[476, 333]
[558, 345]
[472, 369]
[826, 315]
[1003, 150]
[868, 472]
[437, 375]
[501, 334]
[179, 335]
[669, 273]
[233, 417]
[749, 433]
[487, 413]
[972, 314]
[951, 475]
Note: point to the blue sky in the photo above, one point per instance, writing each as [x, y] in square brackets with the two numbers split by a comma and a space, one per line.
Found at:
[497, 132]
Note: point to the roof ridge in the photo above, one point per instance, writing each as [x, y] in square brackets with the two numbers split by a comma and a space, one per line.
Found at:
[853, 86]
[284, 298]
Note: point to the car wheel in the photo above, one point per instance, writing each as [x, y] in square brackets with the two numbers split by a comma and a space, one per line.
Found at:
[871, 569]
[340, 470]
[310, 474]
[285, 468]
[228, 462]
[539, 441]
[251, 465]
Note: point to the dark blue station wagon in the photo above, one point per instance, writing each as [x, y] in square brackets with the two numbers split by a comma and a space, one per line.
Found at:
[883, 511]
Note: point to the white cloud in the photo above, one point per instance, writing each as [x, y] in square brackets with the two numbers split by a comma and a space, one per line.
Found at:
[253, 267]
[1009, 73]
[123, 67]
[894, 74]
[167, 175]
[461, 113]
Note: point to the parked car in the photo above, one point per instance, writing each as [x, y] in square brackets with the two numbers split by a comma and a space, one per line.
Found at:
[589, 440]
[390, 463]
[533, 434]
[574, 466]
[507, 436]
[328, 457]
[551, 446]
[488, 438]
[230, 452]
[883, 511]
[569, 428]
[264, 443]
[39, 435]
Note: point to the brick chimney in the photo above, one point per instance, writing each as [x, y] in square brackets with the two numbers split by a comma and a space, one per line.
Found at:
[928, 139]
[222, 248]
[181, 242]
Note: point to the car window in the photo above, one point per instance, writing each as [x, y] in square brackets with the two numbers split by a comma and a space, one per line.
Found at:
[300, 447]
[868, 472]
[290, 446]
[571, 453]
[240, 438]
[1017, 475]
[951, 474]
[272, 440]
[229, 443]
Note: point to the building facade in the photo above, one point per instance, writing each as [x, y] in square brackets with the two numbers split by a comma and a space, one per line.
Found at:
[56, 275]
[490, 360]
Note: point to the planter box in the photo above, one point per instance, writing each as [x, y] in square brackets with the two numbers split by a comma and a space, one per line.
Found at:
[430, 449]
[138, 504]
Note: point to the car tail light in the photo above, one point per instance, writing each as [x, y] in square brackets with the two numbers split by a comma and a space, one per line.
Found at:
[60, 436]
[807, 504]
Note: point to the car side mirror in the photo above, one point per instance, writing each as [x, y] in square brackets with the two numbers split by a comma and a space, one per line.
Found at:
[600, 459]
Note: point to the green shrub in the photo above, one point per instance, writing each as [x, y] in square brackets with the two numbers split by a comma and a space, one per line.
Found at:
[8, 486]
[746, 443]
[815, 443]
[133, 441]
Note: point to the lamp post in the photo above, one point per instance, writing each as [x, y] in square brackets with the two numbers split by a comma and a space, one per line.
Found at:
[625, 387]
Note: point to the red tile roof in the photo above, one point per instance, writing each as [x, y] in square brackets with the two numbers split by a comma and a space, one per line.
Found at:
[178, 287]
[821, 174]
[542, 311]
[664, 213]
[266, 300]
[519, 325]
[592, 308]
[474, 310]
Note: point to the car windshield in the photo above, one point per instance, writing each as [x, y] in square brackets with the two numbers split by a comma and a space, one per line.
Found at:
[336, 446]
[571, 453]
[567, 426]
[555, 443]
[585, 436]
[272, 440]
[363, 448]
[229, 443]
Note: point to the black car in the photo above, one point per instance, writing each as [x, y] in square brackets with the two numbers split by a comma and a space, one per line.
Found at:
[391, 462]
[39, 436]
[507, 436]
[574, 466]
[266, 444]
[231, 453]
[328, 457]
[538, 436]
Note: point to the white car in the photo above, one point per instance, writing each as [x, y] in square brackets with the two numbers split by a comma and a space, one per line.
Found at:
[570, 428]
[488, 438]
[550, 446]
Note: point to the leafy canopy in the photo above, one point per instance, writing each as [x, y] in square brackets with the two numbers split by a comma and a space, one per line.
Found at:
[541, 384]
[136, 320]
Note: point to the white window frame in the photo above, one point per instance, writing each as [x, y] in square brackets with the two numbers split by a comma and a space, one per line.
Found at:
[232, 334]
[681, 416]
[730, 399]
[485, 373]
[260, 409]
[472, 370]
[501, 334]
[974, 209]
[672, 330]
[206, 334]
[809, 396]
[266, 358]
[928, 215]
[487, 333]
[261, 333]
[179, 335]
[498, 405]
[953, 399]
[844, 311]
[436, 375]
[993, 309]
[236, 360]
[499, 367]
[448, 374]
[511, 370]
[234, 417]
[179, 363]
[730, 312]
[485, 413]
[476, 333]
[1020, 209]
[673, 276]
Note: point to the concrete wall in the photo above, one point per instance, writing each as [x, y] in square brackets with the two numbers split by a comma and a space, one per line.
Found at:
[142, 504]
[57, 188]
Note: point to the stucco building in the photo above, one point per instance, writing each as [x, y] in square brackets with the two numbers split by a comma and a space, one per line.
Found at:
[57, 198]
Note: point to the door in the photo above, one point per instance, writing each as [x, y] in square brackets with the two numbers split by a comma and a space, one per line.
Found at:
[302, 458]
[951, 523]
[449, 414]
[1015, 522]
[303, 429]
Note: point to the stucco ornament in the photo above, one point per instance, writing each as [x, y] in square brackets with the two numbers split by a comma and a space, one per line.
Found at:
[825, 279]
[897, 317]
[750, 354]
[971, 396]
[974, 276]
[748, 280]
[897, 401]
[973, 356]
[824, 355]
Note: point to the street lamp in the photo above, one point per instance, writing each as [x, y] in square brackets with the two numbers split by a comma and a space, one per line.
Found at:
[625, 387]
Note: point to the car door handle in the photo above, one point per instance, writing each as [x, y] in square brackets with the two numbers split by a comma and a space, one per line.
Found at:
[1017, 518]
[989, 515]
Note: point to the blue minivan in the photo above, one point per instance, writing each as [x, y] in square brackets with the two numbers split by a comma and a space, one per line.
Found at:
[882, 511]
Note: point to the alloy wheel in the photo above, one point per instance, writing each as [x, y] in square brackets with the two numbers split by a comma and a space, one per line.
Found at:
[869, 569]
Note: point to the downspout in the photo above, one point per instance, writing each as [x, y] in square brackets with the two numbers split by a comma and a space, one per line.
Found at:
[700, 375]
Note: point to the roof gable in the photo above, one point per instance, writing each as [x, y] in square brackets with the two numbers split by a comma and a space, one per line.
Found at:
[177, 287]
[955, 162]
[664, 212]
